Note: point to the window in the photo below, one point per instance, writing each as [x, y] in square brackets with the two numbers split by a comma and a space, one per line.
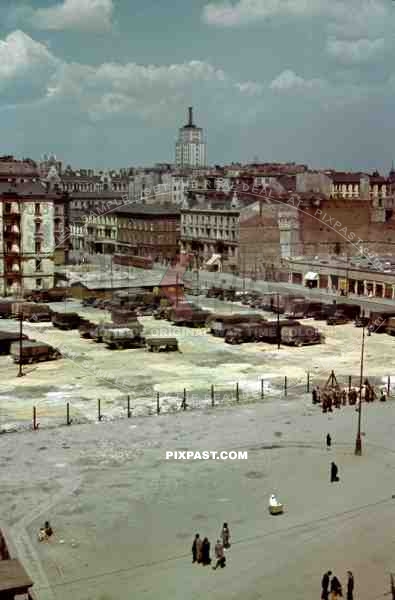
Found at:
[38, 283]
[38, 264]
[7, 208]
[37, 209]
[38, 247]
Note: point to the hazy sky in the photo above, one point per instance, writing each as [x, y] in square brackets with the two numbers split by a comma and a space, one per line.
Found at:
[107, 83]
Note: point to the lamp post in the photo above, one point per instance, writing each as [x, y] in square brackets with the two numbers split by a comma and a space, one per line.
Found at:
[358, 441]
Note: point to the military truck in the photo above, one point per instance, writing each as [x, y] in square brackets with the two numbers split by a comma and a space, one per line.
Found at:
[245, 332]
[157, 344]
[33, 352]
[271, 329]
[6, 308]
[378, 320]
[218, 324]
[338, 318]
[191, 318]
[66, 321]
[32, 311]
[301, 335]
[390, 326]
[85, 328]
[7, 338]
[57, 294]
[123, 337]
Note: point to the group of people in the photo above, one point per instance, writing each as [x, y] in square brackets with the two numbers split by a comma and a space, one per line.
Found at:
[332, 588]
[336, 398]
[201, 549]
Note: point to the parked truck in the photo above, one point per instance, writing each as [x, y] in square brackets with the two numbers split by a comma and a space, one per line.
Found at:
[57, 294]
[33, 352]
[165, 344]
[6, 308]
[390, 326]
[123, 337]
[85, 328]
[218, 324]
[66, 321]
[245, 332]
[301, 335]
[7, 338]
[32, 311]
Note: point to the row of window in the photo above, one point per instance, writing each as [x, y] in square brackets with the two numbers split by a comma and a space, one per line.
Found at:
[199, 219]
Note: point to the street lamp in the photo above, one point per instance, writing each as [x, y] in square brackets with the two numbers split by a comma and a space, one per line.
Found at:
[358, 441]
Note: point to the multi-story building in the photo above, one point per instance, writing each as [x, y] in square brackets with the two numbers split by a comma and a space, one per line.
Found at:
[210, 230]
[190, 147]
[137, 230]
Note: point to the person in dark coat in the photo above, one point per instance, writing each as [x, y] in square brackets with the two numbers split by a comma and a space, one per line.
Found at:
[328, 441]
[336, 587]
[325, 585]
[206, 560]
[314, 395]
[334, 471]
[195, 548]
[350, 586]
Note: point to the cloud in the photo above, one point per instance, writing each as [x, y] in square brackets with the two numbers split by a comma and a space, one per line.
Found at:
[355, 51]
[288, 80]
[80, 15]
[26, 67]
[348, 17]
[112, 89]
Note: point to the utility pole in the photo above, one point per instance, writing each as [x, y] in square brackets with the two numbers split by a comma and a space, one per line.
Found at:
[278, 322]
[20, 373]
[358, 441]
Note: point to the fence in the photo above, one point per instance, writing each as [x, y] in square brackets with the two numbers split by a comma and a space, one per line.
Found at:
[220, 395]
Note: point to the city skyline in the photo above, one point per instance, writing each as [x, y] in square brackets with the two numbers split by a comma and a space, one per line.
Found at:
[105, 84]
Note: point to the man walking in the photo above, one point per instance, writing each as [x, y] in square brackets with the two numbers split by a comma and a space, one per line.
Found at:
[219, 555]
[350, 586]
[325, 586]
[328, 441]
[334, 471]
[195, 548]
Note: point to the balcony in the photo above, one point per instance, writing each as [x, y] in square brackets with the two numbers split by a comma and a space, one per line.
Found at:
[39, 235]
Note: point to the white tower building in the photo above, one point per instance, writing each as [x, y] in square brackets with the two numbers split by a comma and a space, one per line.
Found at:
[190, 146]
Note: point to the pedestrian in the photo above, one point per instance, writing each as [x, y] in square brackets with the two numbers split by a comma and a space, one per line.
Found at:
[194, 548]
[325, 585]
[206, 560]
[219, 555]
[199, 550]
[328, 441]
[334, 472]
[336, 588]
[344, 397]
[318, 394]
[225, 536]
[383, 395]
[314, 395]
[350, 586]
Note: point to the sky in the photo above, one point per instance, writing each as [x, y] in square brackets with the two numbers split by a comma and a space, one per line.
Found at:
[106, 83]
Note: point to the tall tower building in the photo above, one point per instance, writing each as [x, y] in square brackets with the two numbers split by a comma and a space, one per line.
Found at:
[190, 146]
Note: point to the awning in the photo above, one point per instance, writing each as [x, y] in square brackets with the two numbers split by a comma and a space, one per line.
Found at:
[310, 276]
[215, 258]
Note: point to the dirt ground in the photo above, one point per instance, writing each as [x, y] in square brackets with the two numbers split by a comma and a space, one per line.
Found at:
[124, 517]
[90, 371]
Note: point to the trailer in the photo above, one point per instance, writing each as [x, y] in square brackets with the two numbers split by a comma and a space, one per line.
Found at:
[158, 344]
[66, 321]
[33, 352]
[301, 335]
[7, 338]
[123, 337]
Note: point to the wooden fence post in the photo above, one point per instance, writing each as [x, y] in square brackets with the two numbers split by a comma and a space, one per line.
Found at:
[212, 395]
[35, 424]
[262, 389]
[129, 412]
[157, 403]
[99, 415]
[389, 385]
[349, 383]
[237, 392]
[285, 386]
[184, 400]
[308, 382]
[68, 420]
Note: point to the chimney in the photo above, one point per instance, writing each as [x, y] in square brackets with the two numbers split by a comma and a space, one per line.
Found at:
[190, 122]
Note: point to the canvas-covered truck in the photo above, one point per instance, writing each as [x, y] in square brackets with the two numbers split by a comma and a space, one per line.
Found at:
[33, 352]
[32, 311]
[57, 294]
[301, 335]
[123, 337]
[244, 332]
[218, 324]
[162, 344]
[85, 328]
[66, 321]
[191, 318]
[7, 338]
[390, 326]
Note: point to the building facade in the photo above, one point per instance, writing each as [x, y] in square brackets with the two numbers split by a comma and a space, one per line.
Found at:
[191, 149]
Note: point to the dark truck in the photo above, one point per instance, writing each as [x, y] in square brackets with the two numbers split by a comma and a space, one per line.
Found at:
[191, 318]
[218, 324]
[6, 309]
[245, 332]
[66, 321]
[338, 318]
[33, 352]
[123, 337]
[390, 326]
[7, 338]
[378, 320]
[58, 294]
[302, 308]
[216, 292]
[165, 344]
[301, 335]
[85, 328]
